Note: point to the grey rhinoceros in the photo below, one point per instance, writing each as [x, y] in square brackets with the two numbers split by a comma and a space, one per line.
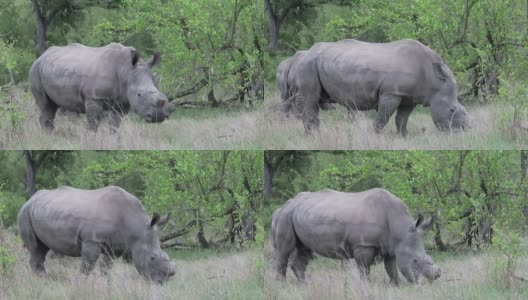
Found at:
[388, 77]
[91, 80]
[89, 223]
[364, 225]
[285, 82]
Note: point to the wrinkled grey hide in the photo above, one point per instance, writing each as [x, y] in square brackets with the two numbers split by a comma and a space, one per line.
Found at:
[363, 226]
[287, 89]
[390, 77]
[89, 223]
[94, 81]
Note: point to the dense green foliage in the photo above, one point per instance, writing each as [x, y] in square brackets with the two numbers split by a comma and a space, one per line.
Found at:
[209, 44]
[215, 195]
[472, 194]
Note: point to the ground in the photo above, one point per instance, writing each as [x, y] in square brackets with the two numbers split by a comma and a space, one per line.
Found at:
[200, 274]
[464, 276]
[490, 129]
[197, 128]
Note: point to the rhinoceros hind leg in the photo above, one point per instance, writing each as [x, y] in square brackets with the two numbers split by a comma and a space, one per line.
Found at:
[364, 258]
[310, 114]
[48, 109]
[38, 256]
[300, 261]
[386, 107]
[392, 269]
[402, 116]
[90, 252]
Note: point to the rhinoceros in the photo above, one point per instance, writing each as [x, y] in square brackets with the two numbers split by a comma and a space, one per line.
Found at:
[82, 79]
[363, 226]
[89, 223]
[287, 90]
[389, 77]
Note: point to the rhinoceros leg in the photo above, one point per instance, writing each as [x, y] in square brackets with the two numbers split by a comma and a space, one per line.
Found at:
[364, 258]
[90, 252]
[402, 116]
[392, 269]
[38, 256]
[300, 261]
[94, 113]
[310, 107]
[386, 107]
[48, 109]
[106, 264]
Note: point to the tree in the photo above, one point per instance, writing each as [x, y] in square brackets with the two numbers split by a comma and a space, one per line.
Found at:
[48, 11]
[276, 15]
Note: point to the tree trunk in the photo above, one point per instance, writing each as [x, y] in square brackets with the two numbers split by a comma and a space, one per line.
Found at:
[42, 28]
[31, 174]
[274, 26]
[268, 177]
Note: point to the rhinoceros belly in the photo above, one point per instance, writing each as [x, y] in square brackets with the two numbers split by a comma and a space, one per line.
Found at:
[333, 238]
[64, 231]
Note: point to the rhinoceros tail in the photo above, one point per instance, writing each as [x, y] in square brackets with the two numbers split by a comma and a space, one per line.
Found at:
[285, 92]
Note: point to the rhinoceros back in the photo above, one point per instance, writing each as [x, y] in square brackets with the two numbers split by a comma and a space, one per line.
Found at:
[69, 75]
[334, 223]
[64, 218]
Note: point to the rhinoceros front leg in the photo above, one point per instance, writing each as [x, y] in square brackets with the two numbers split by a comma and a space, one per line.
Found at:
[94, 113]
[402, 116]
[386, 107]
[364, 258]
[90, 252]
[392, 269]
[106, 264]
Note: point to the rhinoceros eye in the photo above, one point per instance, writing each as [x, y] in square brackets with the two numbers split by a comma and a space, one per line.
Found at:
[139, 94]
[153, 257]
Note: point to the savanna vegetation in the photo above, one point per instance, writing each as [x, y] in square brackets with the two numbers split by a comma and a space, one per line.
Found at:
[214, 234]
[212, 67]
[478, 199]
[484, 42]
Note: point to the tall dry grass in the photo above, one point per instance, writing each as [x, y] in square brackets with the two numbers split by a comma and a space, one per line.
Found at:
[490, 130]
[231, 276]
[464, 276]
[186, 129]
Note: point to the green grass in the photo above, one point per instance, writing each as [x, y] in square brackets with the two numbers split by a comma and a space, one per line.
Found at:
[196, 128]
[465, 275]
[200, 274]
[491, 130]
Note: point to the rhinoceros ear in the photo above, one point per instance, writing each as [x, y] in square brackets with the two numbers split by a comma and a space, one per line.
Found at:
[155, 220]
[437, 67]
[424, 225]
[135, 56]
[164, 219]
[155, 60]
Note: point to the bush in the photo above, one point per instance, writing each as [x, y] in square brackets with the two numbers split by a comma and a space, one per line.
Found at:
[7, 261]
[508, 250]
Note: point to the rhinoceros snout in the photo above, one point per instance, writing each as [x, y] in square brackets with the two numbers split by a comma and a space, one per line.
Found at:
[437, 272]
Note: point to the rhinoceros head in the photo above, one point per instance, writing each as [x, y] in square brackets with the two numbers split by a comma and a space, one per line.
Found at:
[448, 114]
[150, 261]
[143, 94]
[411, 258]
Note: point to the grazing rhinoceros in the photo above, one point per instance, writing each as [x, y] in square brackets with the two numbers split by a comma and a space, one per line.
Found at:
[361, 225]
[90, 80]
[89, 223]
[287, 90]
[388, 77]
